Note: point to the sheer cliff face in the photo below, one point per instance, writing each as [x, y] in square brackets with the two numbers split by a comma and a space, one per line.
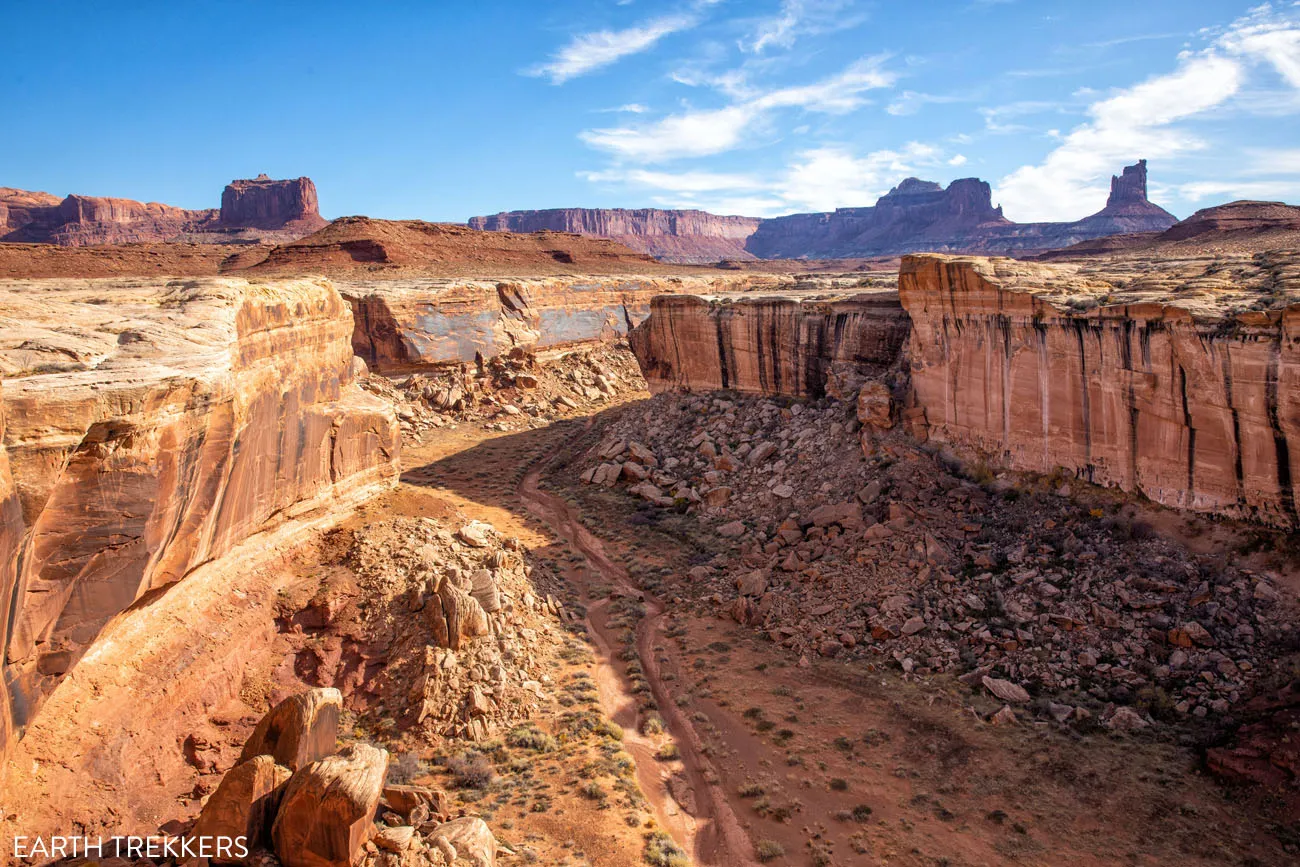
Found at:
[770, 345]
[250, 209]
[1194, 406]
[1178, 379]
[264, 203]
[406, 325]
[919, 215]
[147, 436]
[673, 236]
[915, 215]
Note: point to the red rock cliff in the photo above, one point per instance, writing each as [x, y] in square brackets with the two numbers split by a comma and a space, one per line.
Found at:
[767, 345]
[147, 436]
[405, 325]
[259, 209]
[1175, 388]
[673, 236]
[263, 203]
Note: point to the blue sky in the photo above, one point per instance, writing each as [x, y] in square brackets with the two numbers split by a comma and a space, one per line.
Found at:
[442, 110]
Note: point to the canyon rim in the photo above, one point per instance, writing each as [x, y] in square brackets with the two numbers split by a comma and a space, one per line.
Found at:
[896, 460]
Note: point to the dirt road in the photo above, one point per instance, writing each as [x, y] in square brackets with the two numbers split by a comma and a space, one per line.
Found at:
[710, 827]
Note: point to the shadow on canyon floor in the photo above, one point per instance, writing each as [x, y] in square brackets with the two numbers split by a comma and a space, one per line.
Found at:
[825, 762]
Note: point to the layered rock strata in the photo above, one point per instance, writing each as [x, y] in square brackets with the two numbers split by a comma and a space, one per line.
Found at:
[256, 209]
[920, 215]
[149, 428]
[1179, 380]
[1175, 378]
[767, 345]
[673, 236]
[913, 216]
[408, 324]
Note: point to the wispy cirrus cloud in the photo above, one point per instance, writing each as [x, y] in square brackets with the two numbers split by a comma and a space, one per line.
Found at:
[797, 18]
[814, 179]
[704, 132]
[1151, 119]
[588, 52]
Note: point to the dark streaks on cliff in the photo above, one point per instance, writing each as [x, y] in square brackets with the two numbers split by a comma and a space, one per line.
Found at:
[1286, 491]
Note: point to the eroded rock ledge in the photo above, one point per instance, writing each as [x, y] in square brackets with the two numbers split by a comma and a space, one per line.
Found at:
[1175, 378]
[769, 345]
[404, 325]
[148, 428]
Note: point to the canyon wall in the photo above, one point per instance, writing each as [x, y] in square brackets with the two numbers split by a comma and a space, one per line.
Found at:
[251, 210]
[264, 203]
[768, 345]
[920, 215]
[150, 427]
[916, 215]
[1176, 379]
[1195, 408]
[408, 324]
[692, 237]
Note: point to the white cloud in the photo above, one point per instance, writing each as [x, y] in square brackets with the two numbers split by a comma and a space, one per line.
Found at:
[958, 160]
[796, 18]
[680, 182]
[703, 132]
[1149, 119]
[1265, 35]
[910, 102]
[1271, 191]
[629, 108]
[1272, 161]
[587, 52]
[817, 179]
[778, 31]
[827, 178]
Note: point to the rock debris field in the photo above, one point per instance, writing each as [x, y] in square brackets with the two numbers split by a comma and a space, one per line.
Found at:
[851, 541]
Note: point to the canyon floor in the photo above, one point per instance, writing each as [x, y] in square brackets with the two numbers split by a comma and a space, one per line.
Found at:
[737, 748]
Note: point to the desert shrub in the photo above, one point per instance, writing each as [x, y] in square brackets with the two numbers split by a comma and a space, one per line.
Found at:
[528, 737]
[471, 770]
[766, 850]
[405, 768]
[662, 851]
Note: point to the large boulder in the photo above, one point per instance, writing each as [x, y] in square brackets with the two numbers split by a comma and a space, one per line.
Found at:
[299, 730]
[468, 838]
[244, 805]
[328, 809]
[455, 616]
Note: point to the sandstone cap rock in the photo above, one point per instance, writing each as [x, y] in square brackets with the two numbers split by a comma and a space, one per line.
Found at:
[328, 808]
[299, 730]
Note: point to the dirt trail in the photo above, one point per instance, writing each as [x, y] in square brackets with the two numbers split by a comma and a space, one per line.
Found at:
[712, 831]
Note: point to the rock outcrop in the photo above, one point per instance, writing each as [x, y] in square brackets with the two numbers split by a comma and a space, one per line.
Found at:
[409, 324]
[767, 345]
[672, 236]
[328, 807]
[299, 730]
[364, 247]
[244, 805]
[1231, 229]
[151, 427]
[920, 215]
[914, 216]
[1179, 380]
[263, 203]
[251, 210]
